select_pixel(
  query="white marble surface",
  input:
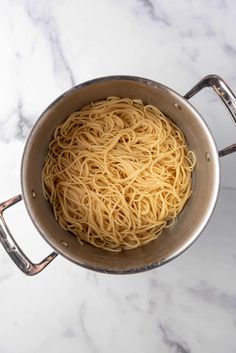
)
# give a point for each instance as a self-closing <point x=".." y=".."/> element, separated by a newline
<point x="187" y="306"/>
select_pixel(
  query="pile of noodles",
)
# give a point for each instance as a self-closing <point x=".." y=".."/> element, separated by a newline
<point x="117" y="173"/>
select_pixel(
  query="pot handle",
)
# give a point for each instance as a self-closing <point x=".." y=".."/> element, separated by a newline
<point x="224" y="93"/>
<point x="13" y="249"/>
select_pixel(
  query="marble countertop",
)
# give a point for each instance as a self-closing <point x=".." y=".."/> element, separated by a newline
<point x="186" y="306"/>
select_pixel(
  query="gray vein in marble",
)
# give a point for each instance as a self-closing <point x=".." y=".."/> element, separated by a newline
<point x="203" y="25"/>
<point x="131" y="299"/>
<point x="69" y="333"/>
<point x="89" y="339"/>
<point x="176" y="345"/>
<point x="209" y="32"/>
<point x="2" y="135"/>
<point x="154" y="283"/>
<point x="187" y="34"/>
<point x="220" y="4"/>
<point x="152" y="304"/>
<point x="17" y="55"/>
<point x="48" y="26"/>
<point x="92" y="277"/>
<point x="193" y="54"/>
<point x="214" y="296"/>
<point x="116" y="299"/>
<point x="132" y="296"/>
<point x="159" y="291"/>
<point x="157" y="286"/>
<point x="228" y="49"/>
<point x="23" y="124"/>
<point x="157" y="16"/>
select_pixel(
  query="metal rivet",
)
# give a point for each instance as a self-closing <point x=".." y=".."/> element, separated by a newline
<point x="177" y="106"/>
<point x="34" y="194"/>
<point x="64" y="243"/>
<point x="207" y="156"/>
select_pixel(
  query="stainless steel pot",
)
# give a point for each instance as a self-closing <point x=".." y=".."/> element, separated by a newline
<point x="191" y="221"/>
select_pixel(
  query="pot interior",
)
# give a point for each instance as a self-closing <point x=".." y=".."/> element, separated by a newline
<point x="190" y="222"/>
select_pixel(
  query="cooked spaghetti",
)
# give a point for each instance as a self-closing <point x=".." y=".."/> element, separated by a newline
<point x="117" y="173"/>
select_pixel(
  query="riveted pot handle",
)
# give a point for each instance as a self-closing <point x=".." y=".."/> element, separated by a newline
<point x="225" y="94"/>
<point x="13" y="249"/>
